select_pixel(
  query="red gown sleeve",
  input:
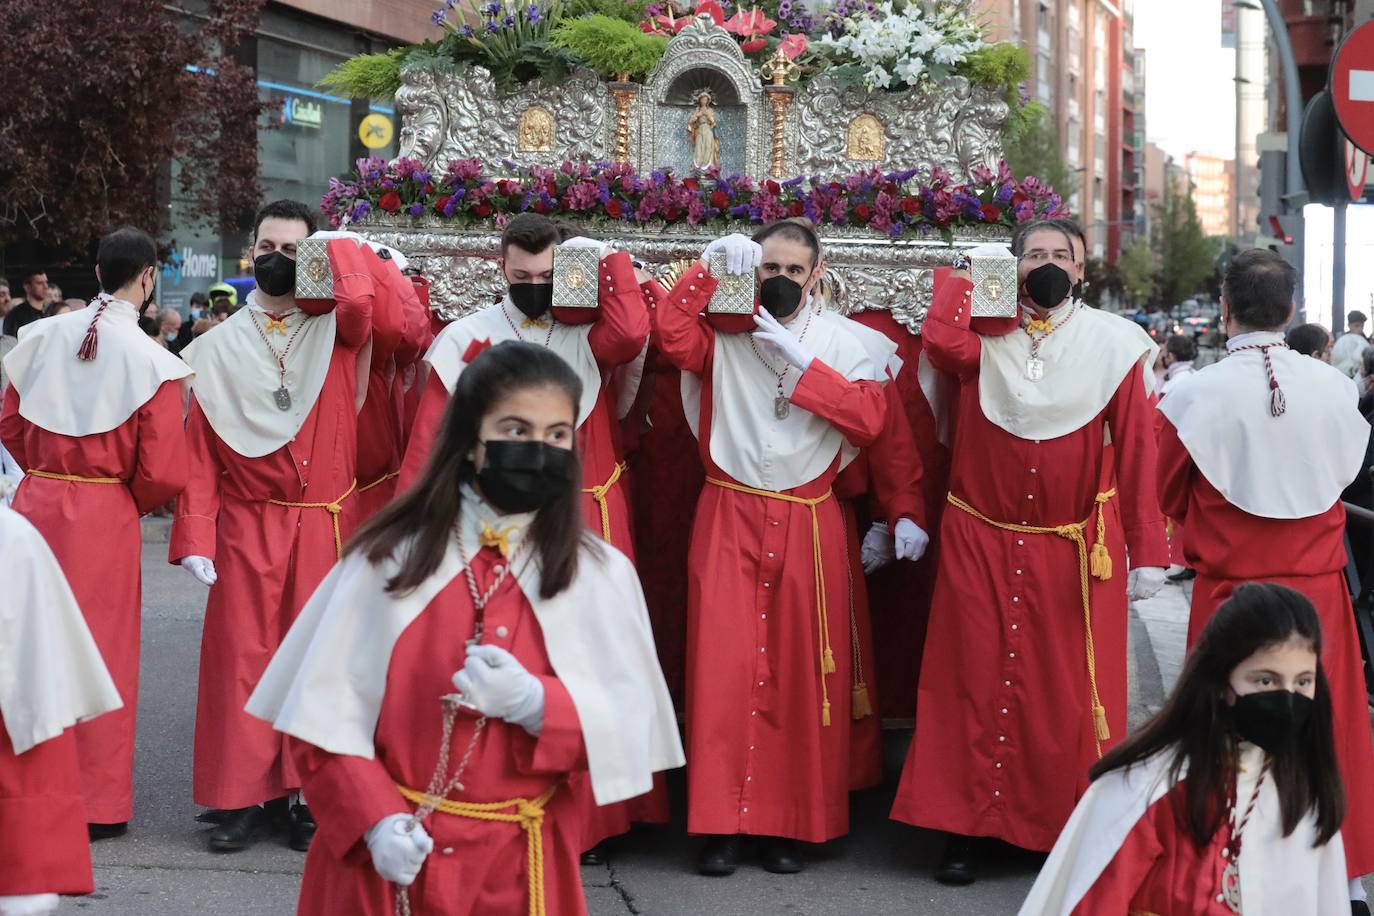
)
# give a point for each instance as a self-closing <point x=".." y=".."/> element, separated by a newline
<point x="1116" y="888"/>
<point x="360" y="793"/>
<point x="1175" y="473"/>
<point x="388" y="315"/>
<point x="425" y="427"/>
<point x="1130" y="416"/>
<point x="12" y="427"/>
<point x="948" y="338"/>
<point x="622" y="328"/>
<point x="161" y="467"/>
<point x="684" y="337"/>
<point x="857" y="409"/>
<point x="416" y="337"/>
<point x="894" y="465"/>
<point x="194" y="526"/>
<point x="354" y="292"/>
<point x="559" y="748"/>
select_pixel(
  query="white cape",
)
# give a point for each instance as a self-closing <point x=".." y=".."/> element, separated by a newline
<point x="237" y="378"/>
<point x="75" y="397"/>
<point x="1291" y="466"/>
<point x="326" y="682"/>
<point x="51" y="673"/>
<point x="1085" y="361"/>
<point x="492" y="325"/>
<point x="1279" y="876"/>
<point x="748" y="441"/>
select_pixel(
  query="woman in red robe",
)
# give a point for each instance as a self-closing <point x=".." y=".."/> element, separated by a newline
<point x="482" y="578"/>
<point x="1230" y="799"/>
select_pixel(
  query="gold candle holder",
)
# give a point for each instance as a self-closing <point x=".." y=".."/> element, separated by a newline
<point x="778" y="71"/>
<point x="623" y="91"/>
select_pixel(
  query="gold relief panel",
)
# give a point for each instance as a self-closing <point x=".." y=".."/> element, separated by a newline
<point x="866" y="140"/>
<point x="536" y="130"/>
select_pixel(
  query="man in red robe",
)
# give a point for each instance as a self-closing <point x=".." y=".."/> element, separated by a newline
<point x="51" y="677"/>
<point x="1254" y="453"/>
<point x="93" y="413"/>
<point x="1024" y="676"/>
<point x="777" y="413"/>
<point x="273" y="429"/>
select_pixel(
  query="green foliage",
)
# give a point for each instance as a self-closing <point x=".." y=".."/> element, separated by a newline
<point x="367" y="76"/>
<point x="1138" y="272"/>
<point x="514" y="44"/>
<point x="610" y="45"/>
<point x="1003" y="66"/>
<point x="1187" y="256"/>
<point x="631" y="11"/>
<point x="1031" y="147"/>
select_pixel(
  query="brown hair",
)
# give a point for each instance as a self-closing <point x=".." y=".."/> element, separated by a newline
<point x="794" y="229"/>
<point x="531" y="232"/>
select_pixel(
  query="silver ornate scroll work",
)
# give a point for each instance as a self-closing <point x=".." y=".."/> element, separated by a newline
<point x="701" y="47"/>
<point x="864" y="271"/>
<point x="448" y="116"/>
<point x="953" y="125"/>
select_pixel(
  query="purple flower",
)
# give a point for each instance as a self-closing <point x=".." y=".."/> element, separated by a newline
<point x="450" y="205"/>
<point x="1024" y="211"/>
<point x="360" y="209"/>
<point x="1004" y="194"/>
<point x="416" y="209"/>
<point x="533" y="14"/>
<point x="491" y="8"/>
<point x="465" y="31"/>
<point x="492" y="26"/>
<point x="438" y="16"/>
<point x="508" y="22"/>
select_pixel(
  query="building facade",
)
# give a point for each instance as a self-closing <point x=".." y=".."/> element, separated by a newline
<point x="1211" y="183"/>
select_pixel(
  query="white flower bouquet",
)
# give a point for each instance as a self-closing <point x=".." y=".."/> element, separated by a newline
<point x="898" y="45"/>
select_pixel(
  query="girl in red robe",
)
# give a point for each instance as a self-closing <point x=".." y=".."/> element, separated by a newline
<point x="1230" y="799"/>
<point x="480" y="578"/>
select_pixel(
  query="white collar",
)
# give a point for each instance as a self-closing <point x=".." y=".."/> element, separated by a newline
<point x="253" y="303"/>
<point x="1254" y="339"/>
<point x="1177" y="368"/>
<point x="476" y="515"/>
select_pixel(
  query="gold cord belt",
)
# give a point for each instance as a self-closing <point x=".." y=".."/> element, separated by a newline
<point x="73" y="478"/>
<point x="599" y="494"/>
<point x="827" y="657"/>
<point x="528" y="813"/>
<point x="333" y="508"/>
<point x="390" y="475"/>
<point x="1100" y="567"/>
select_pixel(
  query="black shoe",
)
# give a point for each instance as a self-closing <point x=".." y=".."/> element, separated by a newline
<point x="1183" y="575"/>
<point x="302" y="829"/>
<point x="595" y="856"/>
<point x="781" y="857"/>
<point x="241" y="828"/>
<point x="720" y="856"/>
<point x="215" y="816"/>
<point x="107" y="831"/>
<point x="1359" y="908"/>
<point x="959" y="866"/>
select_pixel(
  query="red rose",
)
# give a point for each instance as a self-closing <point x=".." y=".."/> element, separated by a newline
<point x="541" y="207"/>
<point x="773" y="187"/>
<point x="991" y="214"/>
<point x="672" y="214"/>
<point x="691" y="184"/>
<point x="390" y="202"/>
<point x="613" y="209"/>
<point x="911" y="205"/>
<point x="719" y="199"/>
<point x="442" y="202"/>
<point x="863" y="212"/>
<point x="796" y="208"/>
<point x="482" y="209"/>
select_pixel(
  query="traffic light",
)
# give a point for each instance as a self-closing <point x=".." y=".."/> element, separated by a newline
<point x="1287" y="229"/>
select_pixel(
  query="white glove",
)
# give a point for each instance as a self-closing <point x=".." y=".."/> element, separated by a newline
<point x="1144" y="582"/>
<point x="203" y="568"/>
<point x="911" y="540"/>
<point x="877" y="549"/>
<point x="579" y="241"/>
<point x="28" y="905"/>
<point x="328" y="234"/>
<point x="495" y="683"/>
<point x="770" y="332"/>
<point x="397" y="853"/>
<point x="742" y="254"/>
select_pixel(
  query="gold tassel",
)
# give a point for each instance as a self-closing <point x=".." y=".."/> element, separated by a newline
<point x="825" y="713"/>
<point x="829" y="661"/>
<point x="1101" y="562"/>
<point x="860" y="707"/>
<point x="1100" y="720"/>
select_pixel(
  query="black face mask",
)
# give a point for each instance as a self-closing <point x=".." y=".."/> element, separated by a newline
<point x="532" y="299"/>
<point x="148" y="299"/>
<point x="1047" y="285"/>
<point x="1271" y="719"/>
<point x="524" y="476"/>
<point x="779" y="296"/>
<point x="275" y="273"/>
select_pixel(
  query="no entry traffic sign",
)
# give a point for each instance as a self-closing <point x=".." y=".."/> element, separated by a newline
<point x="1352" y="86"/>
<point x="1356" y="170"/>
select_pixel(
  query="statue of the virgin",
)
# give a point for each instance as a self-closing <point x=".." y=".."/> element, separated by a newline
<point x="701" y="127"/>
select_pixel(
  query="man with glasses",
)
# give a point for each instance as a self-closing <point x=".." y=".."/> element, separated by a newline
<point x="1023" y="684"/>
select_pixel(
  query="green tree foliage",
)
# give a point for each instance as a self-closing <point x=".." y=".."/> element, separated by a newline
<point x="611" y="46"/>
<point x="1031" y="147"/>
<point x="1187" y="256"/>
<point x="1138" y="269"/>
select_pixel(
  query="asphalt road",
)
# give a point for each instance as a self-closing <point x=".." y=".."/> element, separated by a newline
<point x="163" y="868"/>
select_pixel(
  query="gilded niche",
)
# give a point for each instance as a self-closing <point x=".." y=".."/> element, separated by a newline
<point x="866" y="142"/>
<point x="536" y="130"/>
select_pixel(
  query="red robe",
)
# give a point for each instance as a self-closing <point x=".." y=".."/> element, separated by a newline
<point x="43" y="846"/>
<point x="760" y="760"/>
<point x="1004" y="728"/>
<point x="477" y="867"/>
<point x="94" y="531"/>
<point x="1228" y="546"/>
<point x="269" y="559"/>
